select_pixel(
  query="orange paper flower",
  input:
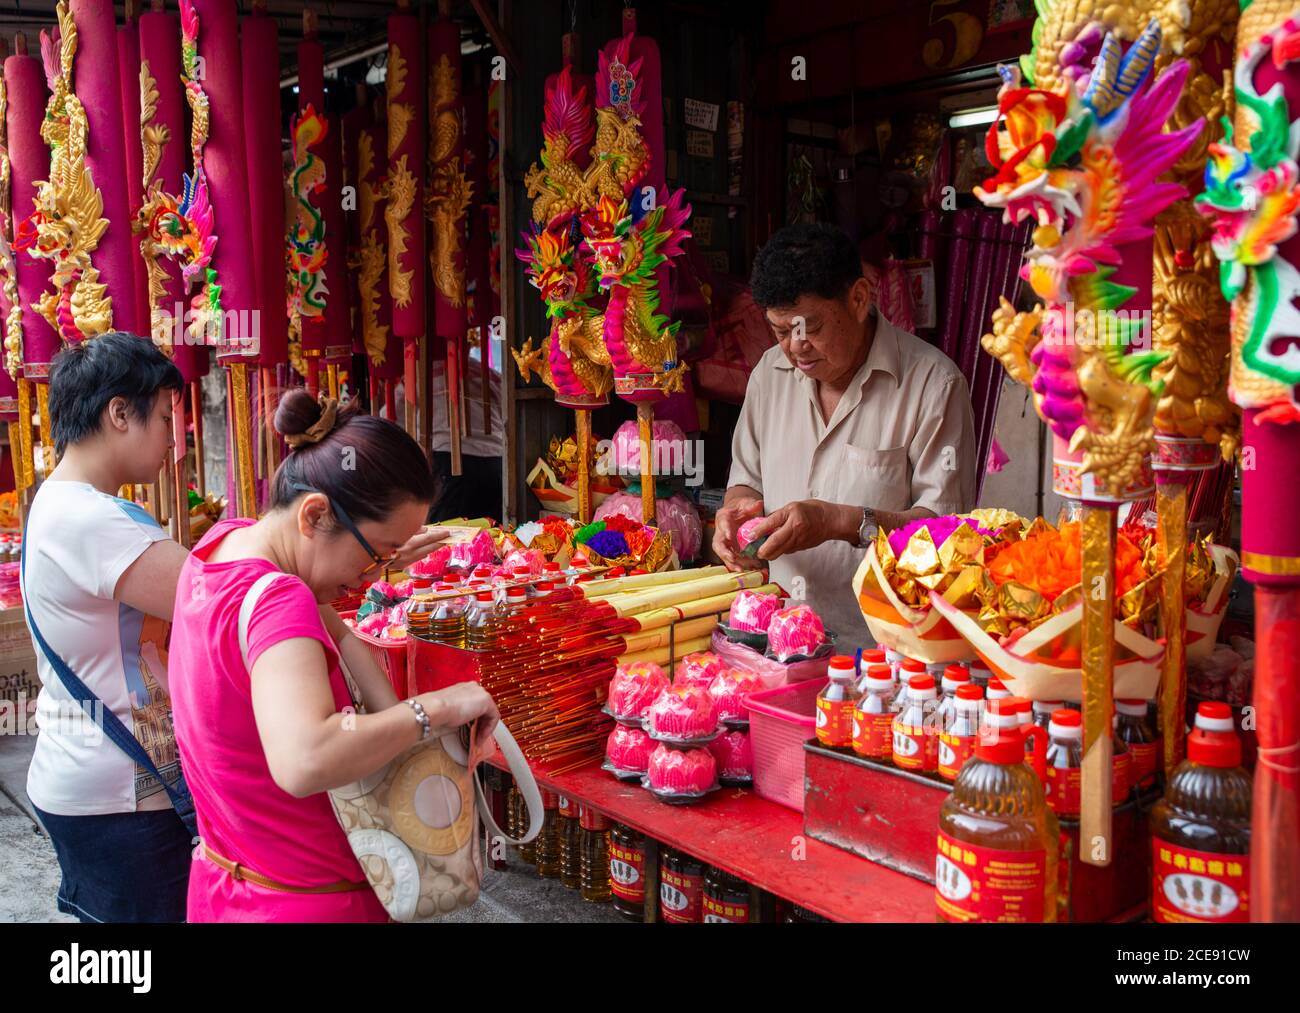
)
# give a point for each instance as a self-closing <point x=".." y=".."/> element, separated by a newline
<point x="1050" y="562"/>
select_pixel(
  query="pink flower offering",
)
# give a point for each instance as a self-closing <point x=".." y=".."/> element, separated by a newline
<point x="699" y="669"/>
<point x="628" y="749"/>
<point x="520" y="558"/>
<point x="635" y="687"/>
<point x="434" y="565"/>
<point x="734" y="756"/>
<point x="752" y="611"/>
<point x="746" y="533"/>
<point x="794" y="631"/>
<point x="682" y="771"/>
<point x="386" y="589"/>
<point x="480" y="549"/>
<point x="683" y="712"/>
<point x="373" y="624"/>
<point x="730" y="690"/>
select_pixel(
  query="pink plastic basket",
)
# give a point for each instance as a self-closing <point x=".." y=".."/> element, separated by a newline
<point x="390" y="655"/>
<point x="780" y="721"/>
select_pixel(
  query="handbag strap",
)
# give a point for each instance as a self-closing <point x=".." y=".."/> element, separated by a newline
<point x="111" y="724"/>
<point x="509" y="748"/>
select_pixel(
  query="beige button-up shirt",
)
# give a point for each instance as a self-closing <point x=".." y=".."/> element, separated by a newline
<point x="902" y="436"/>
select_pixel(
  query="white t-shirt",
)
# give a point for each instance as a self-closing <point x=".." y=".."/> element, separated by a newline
<point x="78" y="544"/>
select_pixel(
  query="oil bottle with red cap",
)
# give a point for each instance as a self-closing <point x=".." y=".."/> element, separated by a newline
<point x="1200" y="830"/>
<point x="998" y="846"/>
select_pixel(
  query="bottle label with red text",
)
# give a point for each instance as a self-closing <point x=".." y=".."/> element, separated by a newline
<point x="1145" y="760"/>
<point x="873" y="735"/>
<point x="627" y="873"/>
<point x="1198" y="886"/>
<point x="954" y="750"/>
<point x="717" y="911"/>
<point x="1064" y="790"/>
<point x="835" y="723"/>
<point x="681" y="897"/>
<point x="916" y="747"/>
<point x="1120" y="774"/>
<point x="974" y="884"/>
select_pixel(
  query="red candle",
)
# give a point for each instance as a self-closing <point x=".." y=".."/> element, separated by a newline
<point x="225" y="166"/>
<point x="99" y="90"/>
<point x="160" y="51"/>
<point x="311" y="95"/>
<point x="128" y="73"/>
<point x="260" y="55"/>
<point x="338" y="309"/>
<point x="29" y="161"/>
<point x="447" y="184"/>
<point x="406" y="171"/>
<point x="375" y="323"/>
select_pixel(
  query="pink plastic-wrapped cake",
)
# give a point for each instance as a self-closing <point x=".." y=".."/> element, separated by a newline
<point x="752" y="611"/>
<point x="794" y="631"/>
<point x="746" y="533"/>
<point x="635" y="687"/>
<point x="683" y="712"/>
<point x="682" y="771"/>
<point x="628" y="749"/>
<point x="699" y="669"/>
<point x="730" y="690"/>
<point x="733" y="754"/>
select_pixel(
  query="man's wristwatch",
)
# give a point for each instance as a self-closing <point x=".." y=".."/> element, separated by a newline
<point x="868" y="529"/>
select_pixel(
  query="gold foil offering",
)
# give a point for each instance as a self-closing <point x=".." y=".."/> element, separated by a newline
<point x="1067" y="599"/>
<point x="964" y="591"/>
<point x="965" y="545"/>
<point x="1016" y="601"/>
<point x="920" y="557"/>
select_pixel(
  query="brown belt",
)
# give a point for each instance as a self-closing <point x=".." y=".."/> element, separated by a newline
<point x="242" y="872"/>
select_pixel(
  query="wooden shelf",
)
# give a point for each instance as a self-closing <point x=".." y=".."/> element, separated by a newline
<point x="759" y="841"/>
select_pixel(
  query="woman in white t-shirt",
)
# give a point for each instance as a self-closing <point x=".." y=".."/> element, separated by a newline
<point x="99" y="581"/>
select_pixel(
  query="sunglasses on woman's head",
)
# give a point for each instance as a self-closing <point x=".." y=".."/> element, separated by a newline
<point x="342" y="516"/>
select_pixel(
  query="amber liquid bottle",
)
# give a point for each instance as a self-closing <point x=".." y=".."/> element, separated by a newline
<point x="627" y="872"/>
<point x="593" y="869"/>
<point x="548" y="839"/>
<point x="998" y="841"/>
<point x="1200" y="830"/>
<point x="570" y="844"/>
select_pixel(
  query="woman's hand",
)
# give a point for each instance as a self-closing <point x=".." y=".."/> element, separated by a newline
<point x="418" y="546"/>
<point x="462" y="704"/>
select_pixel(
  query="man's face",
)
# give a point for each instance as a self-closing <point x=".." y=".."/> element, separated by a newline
<point x="148" y="441"/>
<point x="823" y="337"/>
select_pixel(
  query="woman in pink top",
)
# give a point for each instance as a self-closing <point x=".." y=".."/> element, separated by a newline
<point x="262" y="744"/>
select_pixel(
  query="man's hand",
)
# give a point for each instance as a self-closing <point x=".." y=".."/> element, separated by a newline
<point x="727" y="523"/>
<point x="418" y="546"/>
<point x="806" y="524"/>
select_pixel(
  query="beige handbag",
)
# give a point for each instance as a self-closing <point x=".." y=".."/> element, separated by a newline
<point x="414" y="823"/>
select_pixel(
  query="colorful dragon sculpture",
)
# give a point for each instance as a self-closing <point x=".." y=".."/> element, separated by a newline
<point x="1253" y="195"/>
<point x="179" y="227"/>
<point x="594" y="232"/>
<point x="1081" y="157"/>
<point x="67" y="223"/>
<point x="306" y="249"/>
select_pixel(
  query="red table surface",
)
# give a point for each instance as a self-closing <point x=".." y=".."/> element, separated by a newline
<point x="755" y="840"/>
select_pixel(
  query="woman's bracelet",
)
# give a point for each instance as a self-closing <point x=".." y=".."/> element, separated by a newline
<point x="421" y="716"/>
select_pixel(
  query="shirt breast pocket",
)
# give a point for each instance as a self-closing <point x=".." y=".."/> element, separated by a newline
<point x="879" y="479"/>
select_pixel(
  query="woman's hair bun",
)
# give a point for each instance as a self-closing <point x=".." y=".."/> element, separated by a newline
<point x="297" y="412"/>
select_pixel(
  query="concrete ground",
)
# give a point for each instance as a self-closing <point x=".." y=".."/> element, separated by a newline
<point x="30" y="876"/>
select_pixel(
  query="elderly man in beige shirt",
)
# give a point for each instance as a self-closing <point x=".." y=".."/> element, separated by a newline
<point x="849" y="425"/>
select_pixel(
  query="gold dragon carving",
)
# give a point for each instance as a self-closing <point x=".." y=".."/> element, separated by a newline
<point x="69" y="212"/>
<point x="1190" y="318"/>
<point x="154" y="138"/>
<point x="368" y="258"/>
<point x="558" y="187"/>
<point x="447" y="201"/>
<point x="399" y="191"/>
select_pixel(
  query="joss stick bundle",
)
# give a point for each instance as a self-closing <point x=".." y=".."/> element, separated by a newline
<point x="551" y="670"/>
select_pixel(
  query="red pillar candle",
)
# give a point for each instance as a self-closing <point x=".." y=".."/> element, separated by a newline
<point x="310" y="129"/>
<point x="29" y="161"/>
<point x="99" y="90"/>
<point x="226" y="168"/>
<point x="161" y="54"/>
<point x="404" y="208"/>
<point x="448" y="185"/>
<point x="128" y="73"/>
<point x="354" y="121"/>
<point x="260" y="62"/>
<point x="338" y="303"/>
<point x="368" y="153"/>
